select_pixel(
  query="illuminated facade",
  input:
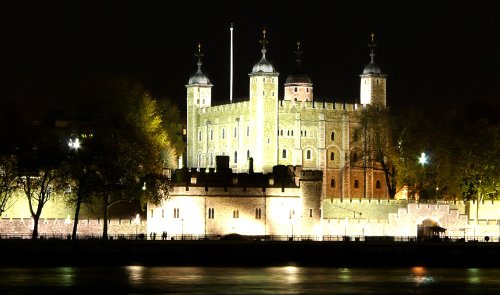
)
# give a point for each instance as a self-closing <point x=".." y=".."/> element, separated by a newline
<point x="296" y="130"/>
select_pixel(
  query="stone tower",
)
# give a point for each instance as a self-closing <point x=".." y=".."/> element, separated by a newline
<point x="373" y="82"/>
<point x="199" y="95"/>
<point x="264" y="110"/>
<point x="298" y="85"/>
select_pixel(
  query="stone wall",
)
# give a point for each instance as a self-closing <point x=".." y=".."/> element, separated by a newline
<point x="62" y="227"/>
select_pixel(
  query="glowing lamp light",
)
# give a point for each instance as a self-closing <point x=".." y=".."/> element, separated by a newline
<point x="144" y="186"/>
<point x="74" y="144"/>
<point x="423" y="159"/>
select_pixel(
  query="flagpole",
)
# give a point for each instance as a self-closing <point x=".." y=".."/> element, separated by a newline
<point x="231" y="68"/>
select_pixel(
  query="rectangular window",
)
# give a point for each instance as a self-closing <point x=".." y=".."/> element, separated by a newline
<point x="310" y="212"/>
<point x="151" y="215"/>
<point x="356" y="183"/>
<point x="211" y="213"/>
<point x="162" y="213"/>
<point x="176" y="213"/>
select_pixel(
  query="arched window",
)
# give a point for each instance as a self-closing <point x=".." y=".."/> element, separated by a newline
<point x="332" y="156"/>
<point x="235" y="157"/>
<point x="283" y="154"/>
<point x="377" y="184"/>
<point x="295" y="99"/>
<point x="295" y="89"/>
<point x="332" y="136"/>
<point x="332" y="182"/>
<point x="308" y="154"/>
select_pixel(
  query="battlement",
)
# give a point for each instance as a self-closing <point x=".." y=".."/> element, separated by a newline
<point x="230" y="107"/>
<point x="340" y="106"/>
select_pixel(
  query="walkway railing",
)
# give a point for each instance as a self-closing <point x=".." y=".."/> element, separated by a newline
<point x="261" y="238"/>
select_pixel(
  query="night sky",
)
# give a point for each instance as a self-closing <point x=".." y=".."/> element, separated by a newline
<point x="444" y="54"/>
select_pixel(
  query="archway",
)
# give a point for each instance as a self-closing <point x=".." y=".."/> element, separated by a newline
<point x="430" y="229"/>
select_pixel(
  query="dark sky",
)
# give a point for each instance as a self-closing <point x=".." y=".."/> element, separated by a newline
<point x="444" y="54"/>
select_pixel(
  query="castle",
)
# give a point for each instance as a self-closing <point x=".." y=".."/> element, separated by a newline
<point x="293" y="167"/>
<point x="289" y="168"/>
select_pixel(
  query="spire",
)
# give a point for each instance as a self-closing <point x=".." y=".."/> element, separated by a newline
<point x="263" y="65"/>
<point x="372" y="68"/>
<point x="298" y="53"/>
<point x="199" y="55"/>
<point x="372" y="46"/>
<point x="263" y="41"/>
<point x="199" y="77"/>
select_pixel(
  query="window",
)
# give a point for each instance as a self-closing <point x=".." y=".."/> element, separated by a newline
<point x="235" y="157"/>
<point x="292" y="213"/>
<point x="263" y="79"/>
<point x="305" y="133"/>
<point x="377" y="184"/>
<point x="332" y="136"/>
<point x="310" y="212"/>
<point x="211" y="134"/>
<point x="354" y="157"/>
<point x="295" y="99"/>
<point x="211" y="213"/>
<point x="355" y="136"/>
<point x="236" y="214"/>
<point x="176" y="213"/>
<point x="307" y="90"/>
<point x="199" y="160"/>
<point x="332" y="182"/>
<point x="162" y="213"/>
<point x="288" y="133"/>
<point x="356" y="183"/>
<point x="308" y="154"/>
<point x="332" y="156"/>
<point x="283" y="154"/>
<point x="235" y="132"/>
<point x="223" y="133"/>
<point x="248" y="154"/>
<point x="295" y="90"/>
<point x="151" y="215"/>
<point x="248" y="131"/>
<point x="258" y="213"/>
<point x="203" y="101"/>
<point x="199" y="135"/>
<point x="211" y="159"/>
<point x="281" y="132"/>
<point x="292" y="132"/>
<point x="198" y="101"/>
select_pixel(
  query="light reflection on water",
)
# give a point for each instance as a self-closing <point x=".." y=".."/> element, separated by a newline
<point x="251" y="280"/>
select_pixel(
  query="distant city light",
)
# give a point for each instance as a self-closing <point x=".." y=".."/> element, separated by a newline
<point x="423" y="159"/>
<point x="74" y="144"/>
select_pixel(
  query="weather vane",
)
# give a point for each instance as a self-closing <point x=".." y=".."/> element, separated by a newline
<point x="263" y="41"/>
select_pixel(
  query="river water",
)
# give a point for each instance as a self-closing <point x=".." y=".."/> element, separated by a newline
<point x="257" y="280"/>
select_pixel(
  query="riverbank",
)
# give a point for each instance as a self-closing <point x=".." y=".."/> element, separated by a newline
<point x="247" y="253"/>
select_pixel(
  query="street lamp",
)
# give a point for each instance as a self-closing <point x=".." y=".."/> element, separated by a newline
<point x="423" y="159"/>
<point x="74" y="144"/>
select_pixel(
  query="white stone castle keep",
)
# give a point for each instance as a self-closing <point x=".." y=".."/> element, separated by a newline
<point x="294" y="130"/>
